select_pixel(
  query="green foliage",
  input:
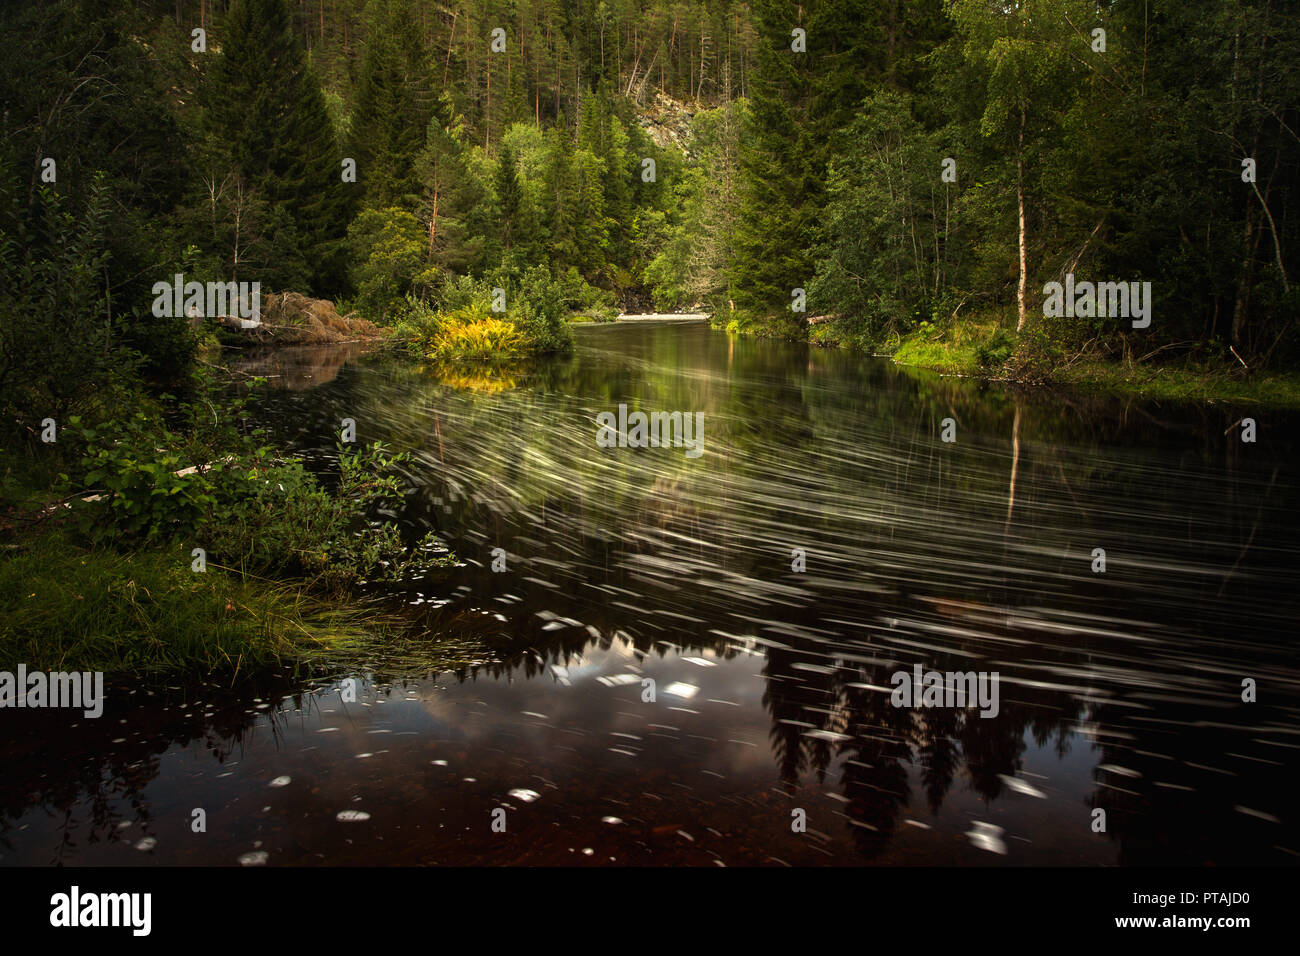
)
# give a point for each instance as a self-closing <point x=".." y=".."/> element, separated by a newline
<point x="282" y="520"/>
<point x="393" y="105"/>
<point x="61" y="340"/>
<point x="455" y="204"/>
<point x="387" y="255"/>
<point x="535" y="320"/>
<point x="142" y="482"/>
<point x="888" y="229"/>
<point x="269" y="123"/>
<point x="995" y="351"/>
<point x="138" y="491"/>
<point x="464" y="337"/>
<point x="539" y="307"/>
<point x="418" y="325"/>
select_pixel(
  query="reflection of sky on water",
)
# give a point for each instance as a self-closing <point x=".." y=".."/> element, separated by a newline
<point x="692" y="781"/>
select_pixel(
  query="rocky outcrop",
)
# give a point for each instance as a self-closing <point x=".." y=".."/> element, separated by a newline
<point x="668" y="122"/>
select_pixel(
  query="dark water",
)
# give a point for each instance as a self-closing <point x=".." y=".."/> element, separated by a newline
<point x="1119" y="691"/>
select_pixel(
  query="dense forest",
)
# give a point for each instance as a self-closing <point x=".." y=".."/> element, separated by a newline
<point x="877" y="167"/>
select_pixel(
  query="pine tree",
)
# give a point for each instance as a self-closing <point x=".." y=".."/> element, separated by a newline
<point x="453" y="198"/>
<point x="560" y="196"/>
<point x="780" y="188"/>
<point x="509" y="193"/>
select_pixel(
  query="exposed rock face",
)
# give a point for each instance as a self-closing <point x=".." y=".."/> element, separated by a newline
<point x="668" y="122"/>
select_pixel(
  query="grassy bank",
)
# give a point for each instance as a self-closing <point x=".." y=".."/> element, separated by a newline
<point x="987" y="347"/>
<point x="65" y="606"/>
<point x="1185" y="382"/>
<point x="97" y="532"/>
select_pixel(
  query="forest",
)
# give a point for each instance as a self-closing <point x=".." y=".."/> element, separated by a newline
<point x="606" y="403"/>
<point x="921" y="180"/>
<point x="843" y="172"/>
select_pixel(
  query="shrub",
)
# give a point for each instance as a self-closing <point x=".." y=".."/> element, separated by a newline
<point x="388" y="248"/>
<point x="418" y="325"/>
<point x="484" y="339"/>
<point x="994" y="351"/>
<point x="285" y="521"/>
<point x="215" y="488"/>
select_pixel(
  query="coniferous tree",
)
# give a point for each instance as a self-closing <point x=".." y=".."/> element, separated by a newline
<point x="778" y="159"/>
<point x="509" y="194"/>
<point x="268" y="116"/>
<point x="394" y="104"/>
<point x="453" y="198"/>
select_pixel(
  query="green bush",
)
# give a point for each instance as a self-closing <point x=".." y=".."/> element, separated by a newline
<point x="388" y="251"/>
<point x="419" y="324"/>
<point x="466" y="325"/>
<point x="285" y="521"/>
<point x="207" y="484"/>
<point x="997" y="349"/>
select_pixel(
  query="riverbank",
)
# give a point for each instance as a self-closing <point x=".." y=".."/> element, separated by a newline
<point x="134" y="546"/>
<point x="66" y="606"/>
<point x="988" y="349"/>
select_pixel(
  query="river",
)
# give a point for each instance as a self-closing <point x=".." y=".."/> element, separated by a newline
<point x="688" y="660"/>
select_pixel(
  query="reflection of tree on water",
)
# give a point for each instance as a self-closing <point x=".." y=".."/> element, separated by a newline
<point x="83" y="775"/>
<point x="1223" y="795"/>
<point x="654" y="548"/>
<point x="886" y="740"/>
<point x="849" y="738"/>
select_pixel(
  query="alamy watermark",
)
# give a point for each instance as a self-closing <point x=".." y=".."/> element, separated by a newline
<point x="77" y="909"/>
<point x="181" y="299"/>
<point x="1102" y="300"/>
<point x="946" y="689"/>
<point x="55" y="689"/>
<point x="653" y="430"/>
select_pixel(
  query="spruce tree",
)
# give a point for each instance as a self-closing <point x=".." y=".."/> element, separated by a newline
<point x="509" y="193"/>
<point x="780" y="188"/>
<point x="453" y="197"/>
<point x="267" y="115"/>
<point x="394" y="104"/>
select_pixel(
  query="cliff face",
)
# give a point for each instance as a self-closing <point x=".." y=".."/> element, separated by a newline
<point x="668" y="122"/>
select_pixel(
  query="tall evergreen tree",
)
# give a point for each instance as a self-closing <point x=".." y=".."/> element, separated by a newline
<point x="268" y="115"/>
<point x="779" y="162"/>
<point x="509" y="193"/>
<point x="394" y="104"/>
<point x="453" y="198"/>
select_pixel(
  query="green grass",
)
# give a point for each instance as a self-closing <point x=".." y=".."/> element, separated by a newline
<point x="1185" y="383"/>
<point x="968" y="347"/>
<point x="65" y="607"/>
<point x="980" y="346"/>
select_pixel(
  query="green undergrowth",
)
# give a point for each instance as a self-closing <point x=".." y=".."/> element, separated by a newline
<point x="67" y="606"/>
<point x="987" y="347"/>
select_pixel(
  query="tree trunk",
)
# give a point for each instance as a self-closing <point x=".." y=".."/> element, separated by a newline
<point x="1023" y="286"/>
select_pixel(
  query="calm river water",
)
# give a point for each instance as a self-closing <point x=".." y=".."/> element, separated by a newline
<point x="650" y="681"/>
